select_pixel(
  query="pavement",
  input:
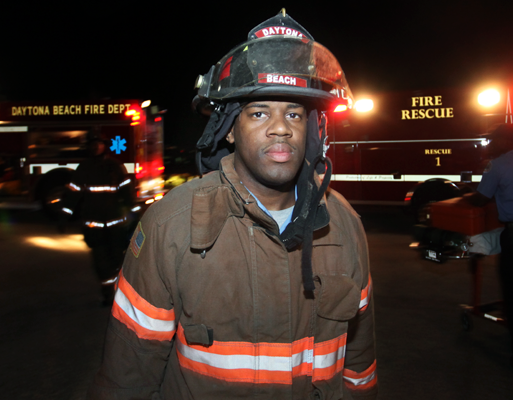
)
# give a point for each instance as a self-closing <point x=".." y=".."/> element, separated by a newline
<point x="52" y="325"/>
<point x="423" y="351"/>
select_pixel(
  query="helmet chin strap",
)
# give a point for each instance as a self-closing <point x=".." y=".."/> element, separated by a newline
<point x="316" y="138"/>
<point x="306" y="255"/>
<point x="323" y="165"/>
<point x="307" y="213"/>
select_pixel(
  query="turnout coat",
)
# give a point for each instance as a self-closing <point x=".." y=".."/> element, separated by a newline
<point x="211" y="305"/>
<point x="104" y="190"/>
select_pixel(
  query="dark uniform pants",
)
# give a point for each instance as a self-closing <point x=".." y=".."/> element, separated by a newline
<point x="506" y="273"/>
<point x="108" y="247"/>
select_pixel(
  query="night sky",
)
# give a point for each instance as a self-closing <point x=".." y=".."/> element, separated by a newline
<point x="156" y="49"/>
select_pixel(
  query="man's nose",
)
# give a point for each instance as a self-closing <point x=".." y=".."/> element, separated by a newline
<point x="279" y="126"/>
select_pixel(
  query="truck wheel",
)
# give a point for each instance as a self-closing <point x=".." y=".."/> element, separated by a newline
<point x="428" y="192"/>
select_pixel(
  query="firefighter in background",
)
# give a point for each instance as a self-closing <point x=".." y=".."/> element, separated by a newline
<point x="253" y="281"/>
<point x="497" y="181"/>
<point x="101" y="193"/>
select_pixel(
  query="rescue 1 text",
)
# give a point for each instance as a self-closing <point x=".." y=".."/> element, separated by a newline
<point x="422" y="113"/>
<point x="78" y="109"/>
<point x="438" y="151"/>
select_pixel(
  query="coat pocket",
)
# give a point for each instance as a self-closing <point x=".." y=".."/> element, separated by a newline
<point x="199" y="334"/>
<point x="339" y="298"/>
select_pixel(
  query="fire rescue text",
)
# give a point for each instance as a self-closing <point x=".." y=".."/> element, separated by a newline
<point x="427" y="101"/>
<point x="78" y="109"/>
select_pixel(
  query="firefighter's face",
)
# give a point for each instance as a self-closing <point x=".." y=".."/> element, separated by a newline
<point x="270" y="140"/>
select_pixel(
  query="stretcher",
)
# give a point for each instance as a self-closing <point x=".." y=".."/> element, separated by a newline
<point x="460" y="230"/>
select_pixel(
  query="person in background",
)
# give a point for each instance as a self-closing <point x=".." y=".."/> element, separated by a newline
<point x="101" y="193"/>
<point x="497" y="182"/>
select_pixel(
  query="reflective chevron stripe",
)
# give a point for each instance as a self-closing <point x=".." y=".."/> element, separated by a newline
<point x="146" y="320"/>
<point x="361" y="380"/>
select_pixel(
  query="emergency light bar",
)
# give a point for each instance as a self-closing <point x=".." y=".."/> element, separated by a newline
<point x="489" y="98"/>
<point x="364" y="105"/>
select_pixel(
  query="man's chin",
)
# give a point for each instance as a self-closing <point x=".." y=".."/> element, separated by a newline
<point x="279" y="178"/>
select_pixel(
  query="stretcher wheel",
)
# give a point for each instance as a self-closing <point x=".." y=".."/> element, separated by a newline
<point x="466" y="320"/>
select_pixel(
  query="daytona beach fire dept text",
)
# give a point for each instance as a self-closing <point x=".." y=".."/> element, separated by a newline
<point x="79" y="109"/>
<point x="429" y="113"/>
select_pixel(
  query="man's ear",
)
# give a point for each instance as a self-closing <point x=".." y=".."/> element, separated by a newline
<point x="230" y="138"/>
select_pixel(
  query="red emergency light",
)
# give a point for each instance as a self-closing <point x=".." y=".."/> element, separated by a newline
<point x="340" y="108"/>
<point x="136" y="116"/>
<point x="139" y="172"/>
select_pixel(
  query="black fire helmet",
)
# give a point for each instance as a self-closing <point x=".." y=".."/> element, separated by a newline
<point x="280" y="60"/>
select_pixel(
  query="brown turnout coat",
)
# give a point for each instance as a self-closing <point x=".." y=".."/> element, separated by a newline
<point x="210" y="304"/>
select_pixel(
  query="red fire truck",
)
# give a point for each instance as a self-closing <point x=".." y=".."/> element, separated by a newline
<point x="41" y="143"/>
<point x="414" y="147"/>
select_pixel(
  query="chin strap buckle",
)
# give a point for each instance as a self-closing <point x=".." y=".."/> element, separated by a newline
<point x="324" y="137"/>
<point x="325" y="147"/>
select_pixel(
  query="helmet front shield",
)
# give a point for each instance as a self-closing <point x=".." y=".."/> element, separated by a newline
<point x="278" y="66"/>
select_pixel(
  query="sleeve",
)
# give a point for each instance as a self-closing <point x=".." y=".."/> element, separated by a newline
<point x="125" y="188"/>
<point x="360" y="375"/>
<point x="142" y="325"/>
<point x="489" y="181"/>
<point x="74" y="192"/>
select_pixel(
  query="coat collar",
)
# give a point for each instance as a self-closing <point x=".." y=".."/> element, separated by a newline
<point x="214" y="204"/>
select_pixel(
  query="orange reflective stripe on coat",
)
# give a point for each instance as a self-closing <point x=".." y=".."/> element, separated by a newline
<point x="361" y="380"/>
<point x="366" y="295"/>
<point x="263" y="362"/>
<point x="146" y="320"/>
<point x="329" y="358"/>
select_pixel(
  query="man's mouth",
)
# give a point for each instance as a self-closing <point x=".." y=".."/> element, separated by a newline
<point x="279" y="152"/>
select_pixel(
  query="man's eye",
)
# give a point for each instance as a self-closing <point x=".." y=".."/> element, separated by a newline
<point x="294" y="115"/>
<point x="258" y="114"/>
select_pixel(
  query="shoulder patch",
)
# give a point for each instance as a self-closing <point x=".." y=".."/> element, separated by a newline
<point x="488" y="167"/>
<point x="137" y="241"/>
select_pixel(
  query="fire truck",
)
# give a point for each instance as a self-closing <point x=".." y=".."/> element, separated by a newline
<point x="415" y="147"/>
<point x="42" y="143"/>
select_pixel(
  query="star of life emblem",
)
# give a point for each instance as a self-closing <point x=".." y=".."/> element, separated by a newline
<point x="118" y="145"/>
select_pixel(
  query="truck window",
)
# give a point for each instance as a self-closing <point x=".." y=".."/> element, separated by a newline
<point x="57" y="144"/>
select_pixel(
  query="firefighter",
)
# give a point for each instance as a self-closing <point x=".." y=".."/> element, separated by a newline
<point x="100" y="192"/>
<point x="253" y="281"/>
<point x="497" y="182"/>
